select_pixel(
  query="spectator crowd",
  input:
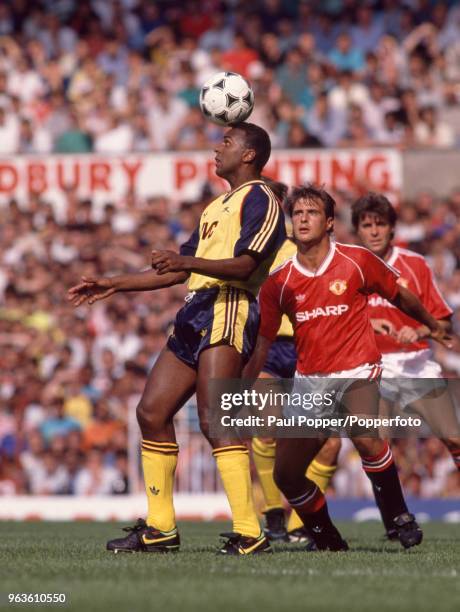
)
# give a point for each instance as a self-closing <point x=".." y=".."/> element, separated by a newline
<point x="115" y="76"/>
<point x="124" y="76"/>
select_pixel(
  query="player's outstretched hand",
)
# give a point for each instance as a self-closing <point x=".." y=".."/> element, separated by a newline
<point x="91" y="290"/>
<point x="167" y="261"/>
<point x="441" y="336"/>
<point x="384" y="327"/>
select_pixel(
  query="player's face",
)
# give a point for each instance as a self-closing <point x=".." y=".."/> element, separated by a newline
<point x="230" y="153"/>
<point x="309" y="221"/>
<point x="375" y="233"/>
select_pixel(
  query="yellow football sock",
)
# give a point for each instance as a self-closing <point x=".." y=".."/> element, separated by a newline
<point x="233" y="466"/>
<point x="294" y="521"/>
<point x="264" y="460"/>
<point x="321" y="475"/>
<point x="159" y="460"/>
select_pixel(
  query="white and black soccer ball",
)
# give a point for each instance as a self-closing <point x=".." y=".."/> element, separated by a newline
<point x="226" y="98"/>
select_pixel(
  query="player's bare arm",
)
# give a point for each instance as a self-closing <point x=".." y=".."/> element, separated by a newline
<point x="409" y="303"/>
<point x="234" y="268"/>
<point x="92" y="289"/>
<point x="421" y="332"/>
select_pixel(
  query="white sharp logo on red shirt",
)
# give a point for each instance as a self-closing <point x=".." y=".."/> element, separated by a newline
<point x="378" y="300"/>
<point x="327" y="311"/>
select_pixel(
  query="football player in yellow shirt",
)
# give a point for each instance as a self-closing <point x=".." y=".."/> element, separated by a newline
<point x="225" y="261"/>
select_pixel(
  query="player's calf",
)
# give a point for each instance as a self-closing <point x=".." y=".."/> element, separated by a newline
<point x="382" y="473"/>
<point x="312" y="508"/>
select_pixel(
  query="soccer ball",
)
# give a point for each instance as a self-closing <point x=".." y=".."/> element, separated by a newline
<point x="226" y="98"/>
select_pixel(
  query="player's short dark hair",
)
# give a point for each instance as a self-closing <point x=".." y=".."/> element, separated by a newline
<point x="311" y="192"/>
<point x="256" y="138"/>
<point x="373" y="203"/>
<point x="279" y="189"/>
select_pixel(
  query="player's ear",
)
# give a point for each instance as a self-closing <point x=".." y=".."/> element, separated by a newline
<point x="330" y="224"/>
<point x="249" y="155"/>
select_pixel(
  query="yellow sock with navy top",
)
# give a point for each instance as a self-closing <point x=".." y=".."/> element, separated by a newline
<point x="321" y="475"/>
<point x="159" y="461"/>
<point x="233" y="465"/>
<point x="263" y="454"/>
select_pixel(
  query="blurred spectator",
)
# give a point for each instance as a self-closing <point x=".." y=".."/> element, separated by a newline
<point x="392" y="131"/>
<point x="164" y="116"/>
<point x="9" y="133"/>
<point x="344" y="56"/>
<point x="113" y="60"/>
<point x="299" y="138"/>
<point x="33" y="140"/>
<point x="291" y="76"/>
<point x="357" y="134"/>
<point x="24" y="82"/>
<point x="410" y="229"/>
<point x="431" y="132"/>
<point x="96" y="478"/>
<point x="74" y="139"/>
<point x="239" y="57"/>
<point x="102" y="427"/>
<point x="376" y="107"/>
<point x="49" y="476"/>
<point x="325" y="122"/>
<point x="347" y="91"/>
<point x="56" y="422"/>
<point x="367" y="31"/>
<point x="219" y="35"/>
<point x="117" y="139"/>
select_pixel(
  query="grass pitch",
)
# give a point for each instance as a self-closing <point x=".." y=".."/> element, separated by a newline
<point x="375" y="576"/>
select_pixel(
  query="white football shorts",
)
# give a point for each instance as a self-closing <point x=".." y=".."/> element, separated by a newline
<point x="407" y="377"/>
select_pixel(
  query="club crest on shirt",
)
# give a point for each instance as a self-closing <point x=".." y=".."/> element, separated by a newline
<point x="403" y="282"/>
<point x="337" y="287"/>
<point x="300" y="297"/>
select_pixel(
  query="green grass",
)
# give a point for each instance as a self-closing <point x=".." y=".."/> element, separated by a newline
<point x="374" y="576"/>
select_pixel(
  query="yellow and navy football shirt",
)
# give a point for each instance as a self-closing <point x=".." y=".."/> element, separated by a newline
<point x="245" y="220"/>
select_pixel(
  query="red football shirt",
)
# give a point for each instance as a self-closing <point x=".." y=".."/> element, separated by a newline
<point x="328" y="308"/>
<point x="418" y="278"/>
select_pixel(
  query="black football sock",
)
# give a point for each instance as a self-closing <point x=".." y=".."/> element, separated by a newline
<point x="383" y="475"/>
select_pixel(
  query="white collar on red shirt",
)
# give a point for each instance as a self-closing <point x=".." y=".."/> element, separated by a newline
<point x="322" y="268"/>
<point x="394" y="256"/>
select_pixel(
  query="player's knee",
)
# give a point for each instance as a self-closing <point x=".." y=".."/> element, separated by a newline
<point x="328" y="454"/>
<point x="149" y="419"/>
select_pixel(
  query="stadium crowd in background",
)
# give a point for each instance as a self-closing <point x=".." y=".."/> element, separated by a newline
<point x="124" y="76"/>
